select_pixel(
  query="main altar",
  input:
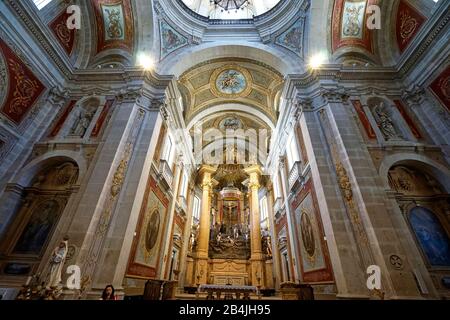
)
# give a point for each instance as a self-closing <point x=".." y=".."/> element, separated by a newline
<point x="229" y="244"/>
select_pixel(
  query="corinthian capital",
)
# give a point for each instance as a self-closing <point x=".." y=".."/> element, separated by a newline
<point x="58" y="95"/>
<point x="337" y="95"/>
<point x="414" y="95"/>
<point x="305" y="104"/>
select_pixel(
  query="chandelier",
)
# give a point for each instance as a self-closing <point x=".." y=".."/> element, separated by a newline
<point x="228" y="5"/>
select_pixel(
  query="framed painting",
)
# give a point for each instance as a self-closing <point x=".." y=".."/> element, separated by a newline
<point x="315" y="263"/>
<point x="147" y="245"/>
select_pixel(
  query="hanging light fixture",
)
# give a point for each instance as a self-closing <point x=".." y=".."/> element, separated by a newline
<point x="228" y="5"/>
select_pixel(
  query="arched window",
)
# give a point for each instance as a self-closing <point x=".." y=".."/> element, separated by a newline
<point x="431" y="236"/>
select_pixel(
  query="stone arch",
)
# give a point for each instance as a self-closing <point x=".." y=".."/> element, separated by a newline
<point x="36" y="203"/>
<point x="438" y="171"/>
<point x="231" y="107"/>
<point x="190" y="57"/>
<point x="24" y="176"/>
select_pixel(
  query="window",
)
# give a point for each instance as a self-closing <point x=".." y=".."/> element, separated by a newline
<point x="263" y="206"/>
<point x="40" y="4"/>
<point x="291" y="151"/>
<point x="184" y="183"/>
<point x="196" y="208"/>
<point x="276" y="186"/>
<point x="168" y="151"/>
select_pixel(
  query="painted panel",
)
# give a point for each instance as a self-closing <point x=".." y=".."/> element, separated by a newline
<point x="364" y="120"/>
<point x="171" y="39"/>
<point x="353" y="19"/>
<point x="102" y="119"/>
<point x="65" y="36"/>
<point x="408" y="119"/>
<point x="62" y="119"/>
<point x="349" y="25"/>
<point x="21" y="87"/>
<point x="146" y="250"/>
<point x="115" y="24"/>
<point x="38" y="228"/>
<point x="441" y="88"/>
<point x="409" y="22"/>
<point x="292" y="38"/>
<point x="431" y="236"/>
<point x="315" y="262"/>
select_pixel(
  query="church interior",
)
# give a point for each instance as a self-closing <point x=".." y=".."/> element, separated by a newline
<point x="218" y="149"/>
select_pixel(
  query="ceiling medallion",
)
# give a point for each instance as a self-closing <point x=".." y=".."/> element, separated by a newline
<point x="231" y="81"/>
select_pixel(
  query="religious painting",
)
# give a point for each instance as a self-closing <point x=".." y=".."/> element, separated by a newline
<point x="409" y="22"/>
<point x="115" y="24"/>
<point x="171" y="39"/>
<point x="146" y="251"/>
<point x="315" y="264"/>
<point x="353" y="19"/>
<point x="431" y="236"/>
<point x="312" y="255"/>
<point x="292" y="38"/>
<point x="38" y="228"/>
<point x="441" y="88"/>
<point x="19" y="89"/>
<point x="65" y="36"/>
<point x="231" y="82"/>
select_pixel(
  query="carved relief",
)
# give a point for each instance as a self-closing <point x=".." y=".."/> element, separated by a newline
<point x="57" y="177"/>
<point x="410" y="181"/>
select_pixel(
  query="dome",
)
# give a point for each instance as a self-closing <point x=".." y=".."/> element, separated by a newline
<point x="230" y="9"/>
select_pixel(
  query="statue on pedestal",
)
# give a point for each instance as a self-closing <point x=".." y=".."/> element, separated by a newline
<point x="385" y="123"/>
<point x="82" y="123"/>
<point x="57" y="263"/>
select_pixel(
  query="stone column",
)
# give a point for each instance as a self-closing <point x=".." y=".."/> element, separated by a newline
<point x="172" y="205"/>
<point x="186" y="239"/>
<point x="275" y="251"/>
<point x="201" y="273"/>
<point x="293" y="249"/>
<point x="256" y="258"/>
<point x="364" y="202"/>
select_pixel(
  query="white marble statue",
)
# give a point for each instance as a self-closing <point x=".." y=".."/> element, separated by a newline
<point x="57" y="263"/>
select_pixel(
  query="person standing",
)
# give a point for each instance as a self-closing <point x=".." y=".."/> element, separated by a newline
<point x="108" y="293"/>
